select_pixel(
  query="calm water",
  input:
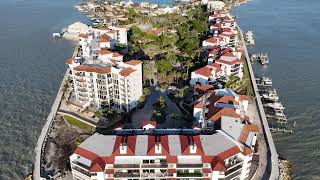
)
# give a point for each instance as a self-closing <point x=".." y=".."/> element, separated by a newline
<point x="289" y="31"/>
<point x="32" y="66"/>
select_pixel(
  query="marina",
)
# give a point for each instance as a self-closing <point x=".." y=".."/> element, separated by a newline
<point x="260" y="57"/>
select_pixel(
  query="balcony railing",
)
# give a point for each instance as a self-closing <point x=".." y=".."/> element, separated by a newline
<point x="81" y="79"/>
<point x="126" y="175"/>
<point x="80" y="74"/>
<point x="126" y="166"/>
<point x="82" y="90"/>
<point x="158" y="174"/>
<point x="234" y="163"/>
<point x="189" y="165"/>
<point x="185" y="174"/>
<point x="234" y="169"/>
<point x="154" y="165"/>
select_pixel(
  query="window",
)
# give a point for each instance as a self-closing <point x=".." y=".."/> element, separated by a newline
<point x="145" y="161"/>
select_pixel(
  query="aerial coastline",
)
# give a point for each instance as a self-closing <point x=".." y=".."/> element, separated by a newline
<point x="128" y="64"/>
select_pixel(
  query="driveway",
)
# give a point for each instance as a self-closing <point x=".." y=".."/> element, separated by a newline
<point x="145" y="114"/>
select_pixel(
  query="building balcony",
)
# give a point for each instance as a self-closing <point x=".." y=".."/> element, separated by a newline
<point x="82" y="89"/>
<point x="126" y="166"/>
<point x="234" y="171"/>
<point x="234" y="163"/>
<point x="81" y="79"/>
<point x="80" y="168"/>
<point x="232" y="175"/>
<point x="83" y="99"/>
<point x="118" y="175"/>
<point x="83" y="95"/>
<point x="189" y="165"/>
<point x="186" y="174"/>
<point x="158" y="174"/>
<point x="158" y="165"/>
<point x="80" y="74"/>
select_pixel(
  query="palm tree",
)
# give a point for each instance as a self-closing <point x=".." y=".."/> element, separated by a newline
<point x="97" y="114"/>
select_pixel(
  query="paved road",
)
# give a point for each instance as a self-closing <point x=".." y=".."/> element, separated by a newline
<point x="146" y="112"/>
<point x="172" y="109"/>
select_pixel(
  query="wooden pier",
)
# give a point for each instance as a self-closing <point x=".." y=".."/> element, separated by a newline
<point x="283" y="130"/>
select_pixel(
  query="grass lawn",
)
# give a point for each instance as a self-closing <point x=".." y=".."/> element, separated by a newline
<point x="75" y="122"/>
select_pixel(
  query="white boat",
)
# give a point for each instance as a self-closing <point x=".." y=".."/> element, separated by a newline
<point x="281" y="118"/>
<point x="249" y="38"/>
<point x="271" y="96"/>
<point x="275" y="105"/>
<point x="56" y="35"/>
<point x="264" y="81"/>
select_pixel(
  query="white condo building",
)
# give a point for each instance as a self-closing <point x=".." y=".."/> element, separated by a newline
<point x="223" y="154"/>
<point x="100" y="76"/>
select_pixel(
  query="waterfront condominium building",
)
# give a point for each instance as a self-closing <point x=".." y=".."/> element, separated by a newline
<point x="212" y="105"/>
<point x="222" y="154"/>
<point x="100" y="76"/>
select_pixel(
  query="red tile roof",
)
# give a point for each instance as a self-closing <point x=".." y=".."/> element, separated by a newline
<point x="126" y="71"/>
<point x="204" y="71"/>
<point x="109" y="171"/>
<point x="172" y="159"/>
<point x="203" y="88"/>
<point x="128" y="141"/>
<point x="100" y="70"/>
<point x="85" y="153"/>
<point x="69" y="61"/>
<point x="153" y="123"/>
<point x="199" y="105"/>
<point x="171" y="170"/>
<point x="83" y="35"/>
<point x="246" y="151"/>
<point x="245" y="132"/>
<point x="154" y="140"/>
<point x="230" y="152"/>
<point x="214" y="39"/>
<point x="216" y="66"/>
<point x="133" y="62"/>
<point x="97" y="165"/>
<point x="216" y="113"/>
<point x="116" y="54"/>
<point x="186" y="141"/>
<point x="104" y="51"/>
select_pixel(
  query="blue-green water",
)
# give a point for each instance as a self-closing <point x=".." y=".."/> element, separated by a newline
<point x="32" y="65"/>
<point x="289" y="31"/>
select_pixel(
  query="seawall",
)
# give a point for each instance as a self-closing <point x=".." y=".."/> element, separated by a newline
<point x="39" y="148"/>
<point x="272" y="169"/>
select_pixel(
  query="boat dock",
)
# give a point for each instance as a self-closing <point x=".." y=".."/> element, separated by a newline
<point x="283" y="130"/>
<point x="269" y="170"/>
<point x="260" y="57"/>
